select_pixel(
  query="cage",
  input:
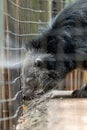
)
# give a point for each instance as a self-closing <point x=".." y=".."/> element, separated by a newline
<point x="21" y="21"/>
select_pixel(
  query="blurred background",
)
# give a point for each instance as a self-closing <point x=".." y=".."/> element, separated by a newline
<point x="20" y="21"/>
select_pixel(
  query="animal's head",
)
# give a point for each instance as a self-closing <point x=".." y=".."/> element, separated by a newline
<point x="43" y="67"/>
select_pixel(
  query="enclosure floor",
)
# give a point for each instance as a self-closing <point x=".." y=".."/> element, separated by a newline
<point x="67" y="114"/>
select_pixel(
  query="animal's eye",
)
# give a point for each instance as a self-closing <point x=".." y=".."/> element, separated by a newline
<point x="38" y="63"/>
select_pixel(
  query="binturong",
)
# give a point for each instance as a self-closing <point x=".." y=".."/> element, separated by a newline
<point x="58" y="51"/>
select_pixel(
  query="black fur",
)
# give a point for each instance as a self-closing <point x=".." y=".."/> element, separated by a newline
<point x="62" y="48"/>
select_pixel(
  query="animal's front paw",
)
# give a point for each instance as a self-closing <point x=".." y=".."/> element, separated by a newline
<point x="82" y="93"/>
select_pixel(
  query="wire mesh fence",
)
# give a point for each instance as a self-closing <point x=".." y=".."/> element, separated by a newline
<point x="21" y="21"/>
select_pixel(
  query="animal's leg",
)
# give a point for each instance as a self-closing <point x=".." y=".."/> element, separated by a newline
<point x="81" y="93"/>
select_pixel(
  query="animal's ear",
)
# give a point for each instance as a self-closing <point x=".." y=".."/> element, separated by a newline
<point x="52" y="42"/>
<point x="33" y="44"/>
<point x="29" y="45"/>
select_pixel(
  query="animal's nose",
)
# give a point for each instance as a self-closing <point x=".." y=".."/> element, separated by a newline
<point x="25" y="97"/>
